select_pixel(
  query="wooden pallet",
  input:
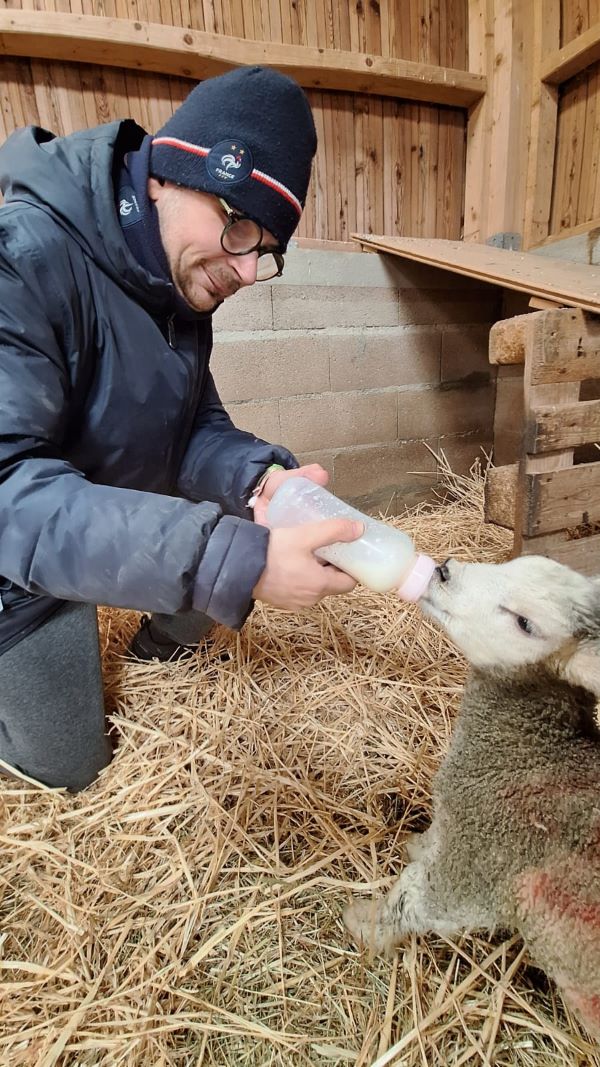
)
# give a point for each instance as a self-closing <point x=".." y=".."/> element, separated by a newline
<point x="552" y="503"/>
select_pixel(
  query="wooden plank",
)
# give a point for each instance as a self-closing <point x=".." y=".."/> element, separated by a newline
<point x="319" y="172"/>
<point x="574" y="19"/>
<point x="479" y="127"/>
<point x="500" y="495"/>
<point x="567" y="283"/>
<point x="569" y="152"/>
<point x="539" y="303"/>
<point x="570" y="343"/>
<point x="501" y="200"/>
<point x="542" y="134"/>
<point x="580" y="553"/>
<point x="561" y="426"/>
<point x="589" y="159"/>
<point x="451" y="161"/>
<point x="564" y="63"/>
<point x="560" y="499"/>
<point x="506" y="343"/>
<point x="196" y="54"/>
<point x="533" y="468"/>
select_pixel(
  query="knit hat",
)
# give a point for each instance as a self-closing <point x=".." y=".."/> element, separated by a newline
<point x="247" y="136"/>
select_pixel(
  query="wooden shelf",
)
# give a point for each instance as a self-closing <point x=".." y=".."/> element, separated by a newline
<point x="555" y="280"/>
<point x="195" y="54"/>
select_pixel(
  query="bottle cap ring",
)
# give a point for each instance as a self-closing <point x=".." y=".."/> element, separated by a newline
<point x="416" y="582"/>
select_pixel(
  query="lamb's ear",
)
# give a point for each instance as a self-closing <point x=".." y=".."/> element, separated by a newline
<point x="583" y="667"/>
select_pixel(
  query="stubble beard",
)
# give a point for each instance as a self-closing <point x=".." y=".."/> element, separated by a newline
<point x="195" y="293"/>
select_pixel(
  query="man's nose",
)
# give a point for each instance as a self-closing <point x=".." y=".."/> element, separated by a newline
<point x="246" y="268"/>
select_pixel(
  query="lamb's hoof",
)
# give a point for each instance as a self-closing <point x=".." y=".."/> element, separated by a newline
<point x="360" y="919"/>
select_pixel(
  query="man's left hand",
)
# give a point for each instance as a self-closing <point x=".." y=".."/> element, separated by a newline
<point x="314" y="471"/>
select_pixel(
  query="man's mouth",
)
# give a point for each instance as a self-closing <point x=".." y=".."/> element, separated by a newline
<point x="221" y="291"/>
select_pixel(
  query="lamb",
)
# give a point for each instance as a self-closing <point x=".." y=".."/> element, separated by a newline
<point x="515" y="838"/>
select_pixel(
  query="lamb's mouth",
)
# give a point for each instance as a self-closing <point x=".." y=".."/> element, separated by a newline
<point x="433" y="611"/>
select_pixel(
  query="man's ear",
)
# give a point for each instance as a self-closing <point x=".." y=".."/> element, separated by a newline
<point x="583" y="667"/>
<point x="155" y="188"/>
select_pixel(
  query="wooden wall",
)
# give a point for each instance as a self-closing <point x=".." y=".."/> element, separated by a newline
<point x="427" y="31"/>
<point x="576" y="189"/>
<point x="384" y="165"/>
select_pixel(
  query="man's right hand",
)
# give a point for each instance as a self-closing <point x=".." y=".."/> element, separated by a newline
<point x="294" y="578"/>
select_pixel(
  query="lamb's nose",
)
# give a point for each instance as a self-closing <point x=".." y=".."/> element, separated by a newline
<point x="443" y="572"/>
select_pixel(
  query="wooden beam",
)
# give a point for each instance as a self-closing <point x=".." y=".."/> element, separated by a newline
<point x="564" y="63"/>
<point x="543" y="123"/>
<point x="563" y="426"/>
<point x="583" y="229"/>
<point x="480" y="121"/>
<point x="500" y="44"/>
<point x="135" y="45"/>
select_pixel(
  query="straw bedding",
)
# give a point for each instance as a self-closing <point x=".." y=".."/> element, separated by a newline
<point x="185" y="909"/>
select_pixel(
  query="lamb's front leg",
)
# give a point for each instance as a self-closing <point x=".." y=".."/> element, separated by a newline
<point x="408" y="908"/>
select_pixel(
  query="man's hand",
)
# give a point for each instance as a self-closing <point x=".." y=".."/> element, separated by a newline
<point x="294" y="578"/>
<point x="314" y="471"/>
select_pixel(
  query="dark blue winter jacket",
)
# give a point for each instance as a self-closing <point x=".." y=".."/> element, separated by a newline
<point x="111" y="428"/>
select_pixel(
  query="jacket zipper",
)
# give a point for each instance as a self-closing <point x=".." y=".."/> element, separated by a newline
<point x="171" y="336"/>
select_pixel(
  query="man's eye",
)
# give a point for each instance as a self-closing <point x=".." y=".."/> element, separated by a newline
<point x="524" y="624"/>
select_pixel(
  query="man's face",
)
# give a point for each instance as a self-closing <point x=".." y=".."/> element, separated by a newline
<point x="191" y="224"/>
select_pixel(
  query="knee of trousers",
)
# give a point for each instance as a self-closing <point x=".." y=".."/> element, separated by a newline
<point x="72" y="775"/>
<point x="86" y="773"/>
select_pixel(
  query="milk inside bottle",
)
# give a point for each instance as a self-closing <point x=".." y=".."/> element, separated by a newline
<point x="382" y="558"/>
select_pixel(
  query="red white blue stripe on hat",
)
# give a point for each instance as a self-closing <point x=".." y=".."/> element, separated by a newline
<point x="259" y="175"/>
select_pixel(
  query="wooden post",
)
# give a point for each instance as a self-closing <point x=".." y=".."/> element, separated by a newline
<point x="479" y="126"/>
<point x="544" y="114"/>
<point x="497" y="131"/>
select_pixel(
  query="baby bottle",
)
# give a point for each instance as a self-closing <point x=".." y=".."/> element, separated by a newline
<point x="382" y="558"/>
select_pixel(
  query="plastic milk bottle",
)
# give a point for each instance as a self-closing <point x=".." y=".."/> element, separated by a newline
<point x="383" y="558"/>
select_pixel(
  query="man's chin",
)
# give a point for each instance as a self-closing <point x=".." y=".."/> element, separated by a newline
<point x="201" y="301"/>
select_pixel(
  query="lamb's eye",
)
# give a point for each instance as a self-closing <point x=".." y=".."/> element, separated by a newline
<point x="524" y="624"/>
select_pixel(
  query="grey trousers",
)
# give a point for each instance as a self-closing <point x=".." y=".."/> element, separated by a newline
<point x="52" y="720"/>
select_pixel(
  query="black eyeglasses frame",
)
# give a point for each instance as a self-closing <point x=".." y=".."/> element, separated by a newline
<point x="234" y="216"/>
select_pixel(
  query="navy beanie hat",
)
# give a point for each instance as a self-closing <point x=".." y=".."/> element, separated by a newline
<point x="247" y="136"/>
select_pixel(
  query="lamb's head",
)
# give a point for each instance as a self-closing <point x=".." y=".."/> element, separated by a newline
<point x="507" y="615"/>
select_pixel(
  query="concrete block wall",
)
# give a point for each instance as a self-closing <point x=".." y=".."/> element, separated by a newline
<point x="362" y="363"/>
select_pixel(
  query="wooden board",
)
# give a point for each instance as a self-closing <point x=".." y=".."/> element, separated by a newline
<point x="571" y="284"/>
<point x="541" y="152"/>
<point x="566" y="62"/>
<point x="567" y="347"/>
<point x="562" y="499"/>
<point x="120" y="42"/>
<point x="580" y="553"/>
<point x="563" y="426"/>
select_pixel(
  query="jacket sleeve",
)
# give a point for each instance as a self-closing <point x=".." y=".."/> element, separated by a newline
<point x="64" y="536"/>
<point x="222" y="463"/>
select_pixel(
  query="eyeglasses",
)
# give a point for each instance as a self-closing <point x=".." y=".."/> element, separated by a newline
<point x="241" y="236"/>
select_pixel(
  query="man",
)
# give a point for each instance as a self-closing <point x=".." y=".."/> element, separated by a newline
<point x="122" y="479"/>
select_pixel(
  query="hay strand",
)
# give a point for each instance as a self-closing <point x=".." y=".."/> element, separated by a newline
<point x="185" y="910"/>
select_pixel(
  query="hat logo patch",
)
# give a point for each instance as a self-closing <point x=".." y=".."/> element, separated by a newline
<point x="229" y="162"/>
